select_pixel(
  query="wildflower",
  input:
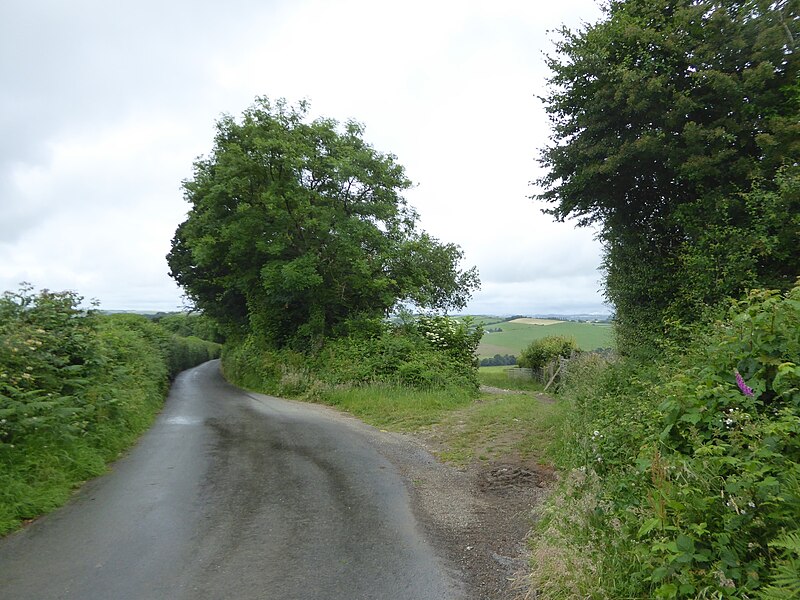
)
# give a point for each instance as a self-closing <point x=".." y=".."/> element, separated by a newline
<point x="728" y="422"/>
<point x="746" y="390"/>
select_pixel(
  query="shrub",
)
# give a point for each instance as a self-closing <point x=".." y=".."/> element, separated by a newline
<point x="540" y="352"/>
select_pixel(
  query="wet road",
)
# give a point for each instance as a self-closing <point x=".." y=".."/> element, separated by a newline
<point x="233" y="495"/>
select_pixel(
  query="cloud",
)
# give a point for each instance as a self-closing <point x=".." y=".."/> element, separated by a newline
<point x="563" y="295"/>
<point x="105" y="106"/>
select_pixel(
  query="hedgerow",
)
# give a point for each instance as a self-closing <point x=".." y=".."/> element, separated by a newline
<point x="540" y="352"/>
<point x="422" y="352"/>
<point x="682" y="477"/>
<point x="76" y="389"/>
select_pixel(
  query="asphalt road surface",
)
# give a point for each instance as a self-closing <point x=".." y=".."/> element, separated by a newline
<point x="233" y="495"/>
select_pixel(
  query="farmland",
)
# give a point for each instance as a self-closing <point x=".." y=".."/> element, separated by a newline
<point x="518" y="333"/>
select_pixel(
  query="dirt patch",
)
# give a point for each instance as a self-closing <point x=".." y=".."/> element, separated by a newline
<point x="478" y="515"/>
<point x="510" y="479"/>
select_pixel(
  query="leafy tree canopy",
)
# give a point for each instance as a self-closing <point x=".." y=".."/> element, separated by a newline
<point x="297" y="227"/>
<point x="676" y="130"/>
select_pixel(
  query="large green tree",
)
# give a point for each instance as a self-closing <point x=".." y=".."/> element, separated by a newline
<point x="298" y="227"/>
<point x="676" y="131"/>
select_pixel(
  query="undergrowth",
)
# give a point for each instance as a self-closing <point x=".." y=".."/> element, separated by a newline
<point x="681" y="478"/>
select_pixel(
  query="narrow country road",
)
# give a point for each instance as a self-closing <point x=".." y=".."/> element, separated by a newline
<point x="233" y="495"/>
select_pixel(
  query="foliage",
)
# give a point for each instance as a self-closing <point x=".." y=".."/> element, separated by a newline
<point x="694" y="463"/>
<point x="676" y="131"/>
<point x="176" y="352"/>
<point x="542" y="351"/>
<point x="426" y="352"/>
<point x="76" y="388"/>
<point x="48" y="352"/>
<point x="190" y="324"/>
<point x="297" y="227"/>
<point x="401" y="376"/>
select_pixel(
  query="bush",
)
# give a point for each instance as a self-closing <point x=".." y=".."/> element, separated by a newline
<point x="540" y="352"/>
<point x="423" y="352"/>
<point x="696" y="461"/>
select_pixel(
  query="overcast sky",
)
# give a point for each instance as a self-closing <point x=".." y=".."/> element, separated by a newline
<point x="105" y="105"/>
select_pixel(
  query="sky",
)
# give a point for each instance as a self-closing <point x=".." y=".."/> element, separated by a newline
<point x="104" y="106"/>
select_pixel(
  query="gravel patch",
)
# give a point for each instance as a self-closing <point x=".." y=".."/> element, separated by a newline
<point x="478" y="516"/>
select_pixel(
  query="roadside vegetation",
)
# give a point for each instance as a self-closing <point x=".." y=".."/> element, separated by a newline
<point x="675" y="133"/>
<point x="682" y="476"/>
<point x="77" y="388"/>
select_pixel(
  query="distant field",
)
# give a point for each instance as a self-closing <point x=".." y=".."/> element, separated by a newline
<point x="529" y="321"/>
<point x="517" y="334"/>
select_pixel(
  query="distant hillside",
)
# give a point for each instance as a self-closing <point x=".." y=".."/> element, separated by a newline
<point x="511" y="336"/>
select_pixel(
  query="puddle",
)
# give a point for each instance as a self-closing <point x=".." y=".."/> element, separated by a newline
<point x="182" y="420"/>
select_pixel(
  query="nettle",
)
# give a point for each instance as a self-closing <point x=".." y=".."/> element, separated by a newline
<point x="725" y="485"/>
<point x="47" y="347"/>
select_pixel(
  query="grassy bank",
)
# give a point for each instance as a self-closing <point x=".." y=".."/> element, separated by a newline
<point x="76" y="389"/>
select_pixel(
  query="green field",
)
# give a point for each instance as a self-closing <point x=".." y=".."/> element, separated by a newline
<point x="516" y="336"/>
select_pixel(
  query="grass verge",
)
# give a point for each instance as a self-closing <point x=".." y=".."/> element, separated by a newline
<point x="396" y="407"/>
<point x="500" y="426"/>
